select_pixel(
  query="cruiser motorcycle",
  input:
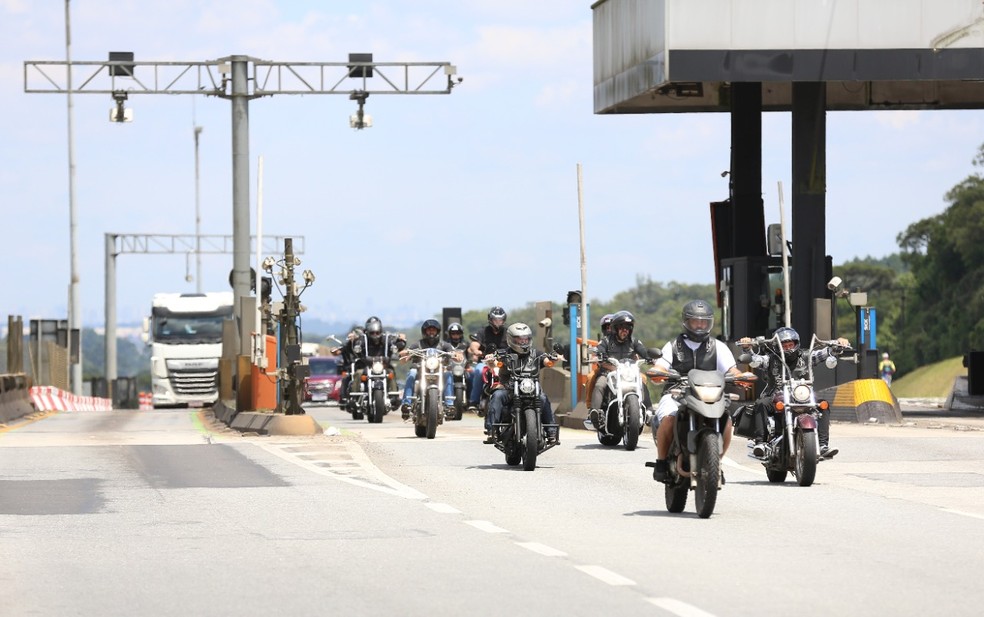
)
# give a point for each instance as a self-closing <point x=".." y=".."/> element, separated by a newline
<point x="698" y="440"/>
<point x="522" y="437"/>
<point x="792" y="443"/>
<point x="372" y="398"/>
<point x="622" y="418"/>
<point x="426" y="408"/>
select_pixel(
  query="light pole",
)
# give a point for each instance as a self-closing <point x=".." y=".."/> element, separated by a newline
<point x="74" y="299"/>
<point x="198" y="219"/>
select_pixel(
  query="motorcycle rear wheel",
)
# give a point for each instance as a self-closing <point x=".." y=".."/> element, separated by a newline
<point x="531" y="440"/>
<point x="806" y="458"/>
<point x="676" y="496"/>
<point x="709" y="470"/>
<point x="634" y="424"/>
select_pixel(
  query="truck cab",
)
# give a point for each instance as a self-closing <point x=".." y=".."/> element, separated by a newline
<point x="184" y="332"/>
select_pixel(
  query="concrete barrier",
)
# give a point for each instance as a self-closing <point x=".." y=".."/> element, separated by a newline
<point x="863" y="400"/>
<point x="15" y="396"/>
<point x="50" y="398"/>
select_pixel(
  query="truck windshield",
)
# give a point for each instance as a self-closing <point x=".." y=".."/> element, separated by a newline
<point x="188" y="329"/>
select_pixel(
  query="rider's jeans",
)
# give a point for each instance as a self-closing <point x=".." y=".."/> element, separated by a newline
<point x="449" y="387"/>
<point x="408" y="388"/>
<point x="476" y="386"/>
<point x="500" y="398"/>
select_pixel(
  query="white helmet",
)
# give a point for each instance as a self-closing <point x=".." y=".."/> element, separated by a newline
<point x="519" y="337"/>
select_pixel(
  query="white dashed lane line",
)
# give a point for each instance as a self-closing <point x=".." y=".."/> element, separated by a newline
<point x="443" y="508"/>
<point x="542" y="549"/>
<point x="605" y="575"/>
<point x="678" y="607"/>
<point x="486" y="526"/>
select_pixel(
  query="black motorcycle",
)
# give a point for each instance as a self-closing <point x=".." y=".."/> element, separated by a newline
<point x="523" y="436"/>
<point x="372" y="397"/>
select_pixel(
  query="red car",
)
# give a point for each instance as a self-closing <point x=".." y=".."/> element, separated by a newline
<point x="324" y="382"/>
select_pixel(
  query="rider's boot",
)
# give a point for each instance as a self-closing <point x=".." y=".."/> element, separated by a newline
<point x="405" y="410"/>
<point x="553" y="435"/>
<point x="661" y="470"/>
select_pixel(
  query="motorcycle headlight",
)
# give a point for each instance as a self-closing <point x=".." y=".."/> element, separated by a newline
<point x="708" y="394"/>
<point x="457" y="370"/>
<point x="377" y="367"/>
<point x="432" y="363"/>
<point x="526" y="386"/>
<point x="802" y="393"/>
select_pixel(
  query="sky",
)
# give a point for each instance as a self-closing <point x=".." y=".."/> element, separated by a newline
<point x="465" y="200"/>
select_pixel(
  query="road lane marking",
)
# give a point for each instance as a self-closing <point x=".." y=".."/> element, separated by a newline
<point x="605" y="575"/>
<point x="542" y="549"/>
<point x="678" y="607"/>
<point x="372" y="477"/>
<point x="443" y="508"/>
<point x="487" y="527"/>
<point x="962" y="513"/>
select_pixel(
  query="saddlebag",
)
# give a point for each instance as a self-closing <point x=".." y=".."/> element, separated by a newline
<point x="744" y="422"/>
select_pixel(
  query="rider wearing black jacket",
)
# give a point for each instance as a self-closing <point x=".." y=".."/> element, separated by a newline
<point x="798" y="361"/>
<point x="488" y="340"/>
<point x="373" y="343"/>
<point x="619" y="344"/>
<point x="519" y="339"/>
<point x="430" y="338"/>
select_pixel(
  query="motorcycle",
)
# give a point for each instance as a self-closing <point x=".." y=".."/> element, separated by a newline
<point x="459" y="386"/>
<point x="427" y="408"/>
<point x="523" y="436"/>
<point x="792" y="443"/>
<point x="698" y="440"/>
<point x="373" y="399"/>
<point x="622" y="418"/>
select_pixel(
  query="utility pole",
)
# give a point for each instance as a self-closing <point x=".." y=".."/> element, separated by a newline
<point x="240" y="78"/>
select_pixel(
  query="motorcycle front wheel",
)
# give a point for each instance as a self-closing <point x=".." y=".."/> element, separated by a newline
<point x="633" y="425"/>
<point x="709" y="473"/>
<point x="676" y="496"/>
<point x="531" y="440"/>
<point x="378" y="409"/>
<point x="432" y="407"/>
<point x="806" y="457"/>
<point x="459" y="403"/>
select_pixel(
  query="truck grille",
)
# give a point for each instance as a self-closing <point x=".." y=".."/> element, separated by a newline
<point x="195" y="383"/>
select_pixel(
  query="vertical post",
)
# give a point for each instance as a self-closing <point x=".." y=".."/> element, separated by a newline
<point x="110" y="310"/>
<point x="198" y="219"/>
<point x="575" y="354"/>
<point x="74" y="299"/>
<point x="584" y="262"/>
<point x="240" y="184"/>
<point x="259" y="346"/>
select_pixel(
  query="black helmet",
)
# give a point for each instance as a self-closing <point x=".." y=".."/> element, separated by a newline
<point x="374" y="329"/>
<point x="698" y="320"/>
<point x="430" y="324"/>
<point x="519" y="337"/>
<point x="623" y="319"/>
<point x="454" y="328"/>
<point x="497" y="317"/>
<point x="789" y="340"/>
<point x="606" y="323"/>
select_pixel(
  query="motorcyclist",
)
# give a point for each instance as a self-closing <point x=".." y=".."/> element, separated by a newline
<point x="372" y="344"/>
<point x="348" y="358"/>
<point x="456" y="337"/>
<point x="430" y="338"/>
<point x="484" y="342"/>
<point x="519" y="341"/>
<point x="617" y="345"/>
<point x="694" y="348"/>
<point x="798" y="361"/>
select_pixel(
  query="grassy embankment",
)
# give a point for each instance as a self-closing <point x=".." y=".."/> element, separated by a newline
<point x="931" y="381"/>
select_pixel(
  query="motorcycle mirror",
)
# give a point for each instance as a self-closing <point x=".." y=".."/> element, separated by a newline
<point x="830" y="362"/>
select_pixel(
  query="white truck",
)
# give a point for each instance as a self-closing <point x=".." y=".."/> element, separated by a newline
<point x="185" y="335"/>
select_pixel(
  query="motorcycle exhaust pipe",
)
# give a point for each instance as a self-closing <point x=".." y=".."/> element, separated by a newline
<point x="680" y="470"/>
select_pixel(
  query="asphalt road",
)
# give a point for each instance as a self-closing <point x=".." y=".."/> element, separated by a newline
<point x="165" y="513"/>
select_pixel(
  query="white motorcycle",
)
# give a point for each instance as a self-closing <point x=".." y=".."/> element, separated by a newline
<point x="623" y="415"/>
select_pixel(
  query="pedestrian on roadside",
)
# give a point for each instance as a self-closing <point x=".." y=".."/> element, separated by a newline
<point x="886" y="368"/>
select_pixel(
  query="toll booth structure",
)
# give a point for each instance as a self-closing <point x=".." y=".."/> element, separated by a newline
<point x="746" y="57"/>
